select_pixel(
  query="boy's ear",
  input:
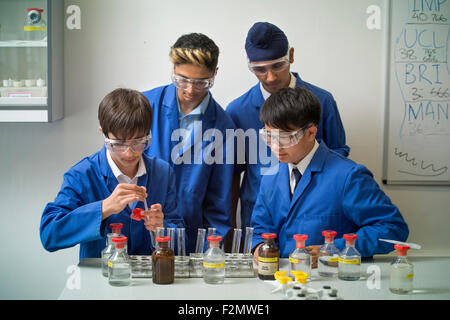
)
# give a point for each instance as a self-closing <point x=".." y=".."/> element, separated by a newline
<point x="312" y="131"/>
<point x="100" y="128"/>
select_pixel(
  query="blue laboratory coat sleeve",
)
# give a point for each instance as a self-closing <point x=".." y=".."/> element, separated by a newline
<point x="68" y="220"/>
<point x="367" y="206"/>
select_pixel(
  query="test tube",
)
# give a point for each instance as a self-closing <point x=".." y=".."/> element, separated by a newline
<point x="236" y="241"/>
<point x="248" y="240"/>
<point x="171" y="234"/>
<point x="181" y="244"/>
<point x="200" y="240"/>
<point x="211" y="231"/>
<point x="160" y="231"/>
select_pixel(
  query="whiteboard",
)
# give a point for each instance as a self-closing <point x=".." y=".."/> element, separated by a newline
<point x="417" y="126"/>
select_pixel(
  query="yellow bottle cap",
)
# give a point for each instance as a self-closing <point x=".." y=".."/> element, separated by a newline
<point x="279" y="274"/>
<point x="301" y="277"/>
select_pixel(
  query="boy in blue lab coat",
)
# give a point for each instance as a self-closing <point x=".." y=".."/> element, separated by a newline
<point x="105" y="187"/>
<point x="316" y="188"/>
<point x="189" y="132"/>
<point x="270" y="57"/>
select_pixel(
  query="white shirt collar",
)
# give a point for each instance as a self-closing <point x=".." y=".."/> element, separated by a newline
<point x="266" y="94"/>
<point x="302" y="165"/>
<point x="122" y="178"/>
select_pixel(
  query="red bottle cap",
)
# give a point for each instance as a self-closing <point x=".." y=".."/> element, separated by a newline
<point x="162" y="239"/>
<point x="137" y="214"/>
<point x="214" y="238"/>
<point x="401" y="249"/>
<point x="329" y="235"/>
<point x="35" y="9"/>
<point x="268" y="235"/>
<point x="300" y="236"/>
<point x="350" y="236"/>
<point x="120" y="241"/>
<point x="116" y="227"/>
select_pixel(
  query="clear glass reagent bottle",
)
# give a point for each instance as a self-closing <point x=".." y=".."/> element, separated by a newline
<point x="300" y="258"/>
<point x="119" y="266"/>
<point x="110" y="247"/>
<point x="402" y="272"/>
<point x="328" y="255"/>
<point x="349" y="267"/>
<point x="214" y="262"/>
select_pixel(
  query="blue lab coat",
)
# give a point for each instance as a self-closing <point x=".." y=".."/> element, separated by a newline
<point x="245" y="113"/>
<point x="203" y="189"/>
<point x="334" y="193"/>
<point x="75" y="216"/>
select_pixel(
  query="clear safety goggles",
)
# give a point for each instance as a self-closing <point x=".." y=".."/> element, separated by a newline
<point x="278" y="65"/>
<point x="281" y="139"/>
<point x="122" y="146"/>
<point x="198" y="84"/>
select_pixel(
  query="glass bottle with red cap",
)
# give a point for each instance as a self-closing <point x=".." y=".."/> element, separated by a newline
<point x="349" y="267"/>
<point x="268" y="257"/>
<point x="116" y="229"/>
<point x="163" y="262"/>
<point x="35" y="27"/>
<point x="328" y="255"/>
<point x="119" y="266"/>
<point x="300" y="258"/>
<point x="402" y="272"/>
<point x="214" y="261"/>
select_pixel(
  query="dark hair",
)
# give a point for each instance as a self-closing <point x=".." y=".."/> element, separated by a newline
<point x="125" y="112"/>
<point x="291" y="108"/>
<point x="195" y="48"/>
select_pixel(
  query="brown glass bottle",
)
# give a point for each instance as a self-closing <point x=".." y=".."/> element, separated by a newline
<point x="268" y="257"/>
<point x="163" y="259"/>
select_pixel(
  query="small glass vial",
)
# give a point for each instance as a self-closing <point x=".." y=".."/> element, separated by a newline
<point x="163" y="259"/>
<point x="402" y="272"/>
<point x="328" y="255"/>
<point x="214" y="261"/>
<point x="119" y="266"/>
<point x="300" y="258"/>
<point x="268" y="257"/>
<point x="349" y="267"/>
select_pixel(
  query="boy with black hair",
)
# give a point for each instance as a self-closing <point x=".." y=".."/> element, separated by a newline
<point x="315" y="188"/>
<point x="105" y="187"/>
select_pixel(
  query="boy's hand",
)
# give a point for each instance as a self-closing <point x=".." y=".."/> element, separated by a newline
<point x="122" y="195"/>
<point x="314" y="251"/>
<point x="154" y="217"/>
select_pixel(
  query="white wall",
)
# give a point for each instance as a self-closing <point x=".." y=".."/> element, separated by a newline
<point x="126" y="43"/>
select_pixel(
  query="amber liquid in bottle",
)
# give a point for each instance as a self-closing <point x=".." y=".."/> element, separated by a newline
<point x="268" y="260"/>
<point x="163" y="259"/>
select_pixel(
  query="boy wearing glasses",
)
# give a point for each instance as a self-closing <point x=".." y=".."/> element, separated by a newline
<point x="269" y="58"/>
<point x="105" y="187"/>
<point x="315" y="188"/>
<point x="189" y="129"/>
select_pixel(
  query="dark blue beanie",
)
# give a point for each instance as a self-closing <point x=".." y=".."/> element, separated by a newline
<point x="265" y="41"/>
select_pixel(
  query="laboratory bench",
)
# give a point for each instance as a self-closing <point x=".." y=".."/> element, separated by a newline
<point x="431" y="282"/>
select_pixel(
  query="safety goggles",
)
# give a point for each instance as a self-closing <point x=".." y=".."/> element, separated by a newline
<point x="122" y="146"/>
<point x="198" y="84"/>
<point x="281" y="139"/>
<point x="278" y="65"/>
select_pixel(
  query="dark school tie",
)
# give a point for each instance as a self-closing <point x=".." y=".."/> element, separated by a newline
<point x="297" y="176"/>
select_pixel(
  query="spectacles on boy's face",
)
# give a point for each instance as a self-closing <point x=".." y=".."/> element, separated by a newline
<point x="122" y="146"/>
<point x="197" y="84"/>
<point x="282" y="139"/>
<point x="278" y="65"/>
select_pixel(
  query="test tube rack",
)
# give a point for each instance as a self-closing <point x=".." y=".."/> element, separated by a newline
<point x="237" y="265"/>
